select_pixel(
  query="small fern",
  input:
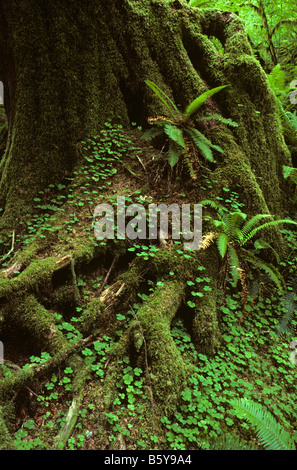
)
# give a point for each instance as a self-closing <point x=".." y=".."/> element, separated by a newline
<point x="270" y="433"/>
<point x="289" y="172"/>
<point x="184" y="139"/>
<point x="233" y="234"/>
<point x="290" y="305"/>
<point x="230" y="443"/>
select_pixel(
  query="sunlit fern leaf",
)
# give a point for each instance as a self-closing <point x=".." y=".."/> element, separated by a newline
<point x="198" y="3"/>
<point x="289" y="172"/>
<point x="270" y="433"/>
<point x="193" y="107"/>
<point x="217" y="148"/>
<point x="234" y="221"/>
<point x="271" y="271"/>
<point x="174" y="133"/>
<point x="174" y="153"/>
<point x="201" y="143"/>
<point x="277" y="80"/>
<point x="234" y="265"/>
<point x="266" y="225"/>
<point x="250" y="224"/>
<point x="172" y="108"/>
<point x="205" y="151"/>
<point x="222" y="243"/>
<point x="217" y="117"/>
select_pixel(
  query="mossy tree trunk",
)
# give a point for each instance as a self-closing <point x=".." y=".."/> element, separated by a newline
<point x="68" y="67"/>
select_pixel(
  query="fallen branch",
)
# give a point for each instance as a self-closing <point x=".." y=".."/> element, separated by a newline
<point x="107" y="276"/>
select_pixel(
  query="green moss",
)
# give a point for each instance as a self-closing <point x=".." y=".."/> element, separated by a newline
<point x="168" y="370"/>
<point x="6" y="442"/>
<point x="92" y="315"/>
<point x="31" y="316"/>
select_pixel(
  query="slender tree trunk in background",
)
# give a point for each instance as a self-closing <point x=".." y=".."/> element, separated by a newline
<point x="68" y="66"/>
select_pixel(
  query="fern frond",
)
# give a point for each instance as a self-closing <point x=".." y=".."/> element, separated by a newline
<point x="175" y="151"/>
<point x="234" y="265"/>
<point x="189" y="164"/>
<point x="277" y="80"/>
<point x="201" y="142"/>
<point x="289" y="172"/>
<point x="197" y="3"/>
<point x="250" y="224"/>
<point x="216" y="206"/>
<point x="150" y="134"/>
<point x="207" y="240"/>
<point x="218" y="117"/>
<point x="222" y="243"/>
<point x="266" y="225"/>
<point x="172" y="108"/>
<point x="174" y="133"/>
<point x="269" y="431"/>
<point x="271" y="271"/>
<point x="230" y="443"/>
<point x="234" y="221"/>
<point x="193" y="107"/>
<point x="260" y="244"/>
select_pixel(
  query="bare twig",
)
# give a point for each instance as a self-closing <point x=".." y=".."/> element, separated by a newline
<point x="107" y="276"/>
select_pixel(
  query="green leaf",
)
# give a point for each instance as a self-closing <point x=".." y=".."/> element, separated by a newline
<point x="174" y="133"/>
<point x="165" y="99"/>
<point x="222" y="243"/>
<point x="174" y="152"/>
<point x="195" y="105"/>
<point x="289" y="172"/>
<point x="269" y="431"/>
<point x="218" y="117"/>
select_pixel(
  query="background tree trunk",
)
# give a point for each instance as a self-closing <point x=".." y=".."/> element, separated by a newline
<point x="67" y="67"/>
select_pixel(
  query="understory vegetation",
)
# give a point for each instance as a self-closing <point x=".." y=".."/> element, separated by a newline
<point x="113" y="395"/>
<point x="115" y="343"/>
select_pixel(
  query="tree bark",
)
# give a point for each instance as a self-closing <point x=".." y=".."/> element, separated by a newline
<point x="67" y="67"/>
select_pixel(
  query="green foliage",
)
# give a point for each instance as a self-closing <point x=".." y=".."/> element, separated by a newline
<point x="280" y="82"/>
<point x="269" y="431"/>
<point x="198" y="3"/>
<point x="234" y="232"/>
<point x="289" y="172"/>
<point x="271" y="28"/>
<point x="184" y="138"/>
<point x="251" y="363"/>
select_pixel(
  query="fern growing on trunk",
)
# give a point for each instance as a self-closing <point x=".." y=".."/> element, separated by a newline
<point x="184" y="139"/>
<point x="234" y="232"/>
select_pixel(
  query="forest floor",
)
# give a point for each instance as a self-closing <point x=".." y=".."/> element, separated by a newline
<point x="104" y="391"/>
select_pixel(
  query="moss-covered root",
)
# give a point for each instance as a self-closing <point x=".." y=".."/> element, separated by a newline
<point x="38" y="322"/>
<point x="73" y="412"/>
<point x="206" y="332"/>
<point x="152" y="330"/>
<point x="6" y="442"/>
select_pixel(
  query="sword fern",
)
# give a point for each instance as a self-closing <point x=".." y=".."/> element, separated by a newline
<point x="184" y="139"/>
<point x="270" y="433"/>
<point x="233" y="234"/>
